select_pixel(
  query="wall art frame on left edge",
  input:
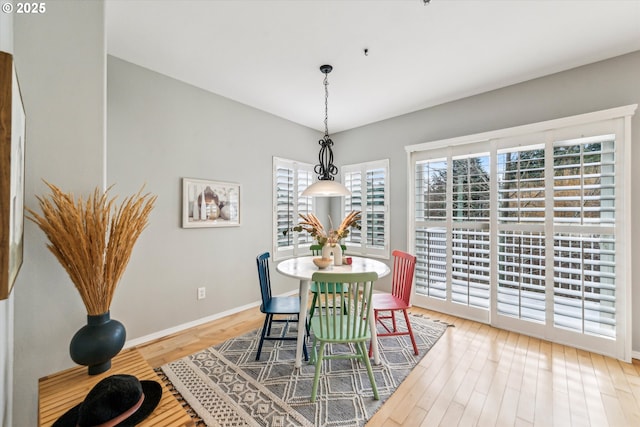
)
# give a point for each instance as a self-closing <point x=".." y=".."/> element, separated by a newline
<point x="12" y="151"/>
<point x="208" y="203"/>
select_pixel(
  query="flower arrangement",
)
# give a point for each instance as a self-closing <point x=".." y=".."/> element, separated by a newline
<point x="312" y="225"/>
<point x="93" y="245"/>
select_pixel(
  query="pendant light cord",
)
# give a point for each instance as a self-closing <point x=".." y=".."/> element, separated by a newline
<point x="326" y="105"/>
<point x="325" y="167"/>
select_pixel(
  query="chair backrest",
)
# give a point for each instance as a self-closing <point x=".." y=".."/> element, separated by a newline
<point x="264" y="277"/>
<point x="316" y="250"/>
<point x="404" y="265"/>
<point x="338" y="324"/>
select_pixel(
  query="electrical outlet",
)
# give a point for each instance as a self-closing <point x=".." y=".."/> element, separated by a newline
<point x="202" y="293"/>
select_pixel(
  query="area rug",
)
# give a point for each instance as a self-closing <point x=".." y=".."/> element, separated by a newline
<point x="227" y="387"/>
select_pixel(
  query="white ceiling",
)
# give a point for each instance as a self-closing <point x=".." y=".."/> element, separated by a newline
<point x="267" y="53"/>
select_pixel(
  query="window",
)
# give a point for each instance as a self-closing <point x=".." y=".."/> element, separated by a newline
<point x="290" y="178"/>
<point x="369" y="186"/>
<point x="525" y="229"/>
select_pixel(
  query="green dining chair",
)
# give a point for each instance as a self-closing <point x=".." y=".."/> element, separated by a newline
<point x="316" y="250"/>
<point x="340" y="327"/>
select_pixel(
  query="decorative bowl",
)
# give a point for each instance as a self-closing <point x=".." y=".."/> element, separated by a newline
<point x="322" y="262"/>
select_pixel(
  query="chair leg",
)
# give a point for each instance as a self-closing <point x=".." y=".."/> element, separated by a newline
<point x="413" y="340"/>
<point x="316" y="377"/>
<point x="314" y="353"/>
<point x="375" y="316"/>
<point x="393" y="321"/>
<point x="306" y="325"/>
<point x="313" y="305"/>
<point x="304" y="341"/>
<point x="362" y="350"/>
<point x="267" y="323"/>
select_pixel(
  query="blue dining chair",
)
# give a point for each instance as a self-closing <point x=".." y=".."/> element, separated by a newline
<point x="272" y="306"/>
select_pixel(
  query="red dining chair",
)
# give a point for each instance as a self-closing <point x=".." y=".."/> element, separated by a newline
<point x="385" y="305"/>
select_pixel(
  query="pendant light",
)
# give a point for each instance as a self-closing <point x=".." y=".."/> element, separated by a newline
<point x="326" y="170"/>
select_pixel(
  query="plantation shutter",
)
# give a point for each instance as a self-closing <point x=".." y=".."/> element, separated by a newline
<point x="521" y="236"/>
<point x="284" y="205"/>
<point x="376" y="208"/>
<point x="353" y="182"/>
<point x="521" y="187"/>
<point x="470" y="264"/>
<point x="305" y="204"/>
<point x="368" y="183"/>
<point x="430" y="232"/>
<point x="290" y="178"/>
<point x="585" y="273"/>
<point x="584" y="182"/>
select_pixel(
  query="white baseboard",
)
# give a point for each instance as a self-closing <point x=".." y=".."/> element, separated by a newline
<point x="185" y="326"/>
<point x="635" y="355"/>
<point x="161" y="334"/>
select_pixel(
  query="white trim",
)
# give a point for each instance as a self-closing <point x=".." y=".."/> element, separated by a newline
<point x="612" y="113"/>
<point x="180" y="328"/>
<point x="627" y="350"/>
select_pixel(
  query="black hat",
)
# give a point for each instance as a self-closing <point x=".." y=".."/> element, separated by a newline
<point x="118" y="400"/>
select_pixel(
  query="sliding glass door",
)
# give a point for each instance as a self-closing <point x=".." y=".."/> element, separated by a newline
<point x="526" y="232"/>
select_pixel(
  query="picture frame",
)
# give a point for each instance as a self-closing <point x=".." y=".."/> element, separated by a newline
<point x="12" y="149"/>
<point x="220" y="209"/>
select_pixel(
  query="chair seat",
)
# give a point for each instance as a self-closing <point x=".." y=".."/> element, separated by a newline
<point x="282" y="305"/>
<point x="384" y="302"/>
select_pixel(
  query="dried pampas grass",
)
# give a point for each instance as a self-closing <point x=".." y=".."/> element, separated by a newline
<point x="92" y="240"/>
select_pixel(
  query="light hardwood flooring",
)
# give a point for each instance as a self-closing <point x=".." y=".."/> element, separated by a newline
<point x="475" y="375"/>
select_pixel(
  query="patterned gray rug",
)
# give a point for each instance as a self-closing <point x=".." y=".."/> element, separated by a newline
<point x="226" y="387"/>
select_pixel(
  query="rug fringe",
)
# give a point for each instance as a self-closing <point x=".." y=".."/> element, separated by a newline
<point x="198" y="422"/>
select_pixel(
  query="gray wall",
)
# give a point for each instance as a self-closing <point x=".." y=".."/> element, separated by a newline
<point x="61" y="61"/>
<point x="160" y="130"/>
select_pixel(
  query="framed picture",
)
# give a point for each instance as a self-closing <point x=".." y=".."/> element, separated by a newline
<point x="210" y="203"/>
<point x="12" y="132"/>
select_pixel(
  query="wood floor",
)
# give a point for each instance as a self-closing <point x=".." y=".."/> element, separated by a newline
<point x="475" y="375"/>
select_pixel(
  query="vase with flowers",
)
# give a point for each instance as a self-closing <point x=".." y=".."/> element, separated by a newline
<point x="93" y="241"/>
<point x="329" y="240"/>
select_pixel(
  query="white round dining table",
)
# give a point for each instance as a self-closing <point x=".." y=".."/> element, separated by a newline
<point x="302" y="268"/>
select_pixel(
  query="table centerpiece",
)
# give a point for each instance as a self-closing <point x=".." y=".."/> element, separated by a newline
<point x="330" y="239"/>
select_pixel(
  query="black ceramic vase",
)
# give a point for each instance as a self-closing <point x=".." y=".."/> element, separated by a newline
<point x="96" y="343"/>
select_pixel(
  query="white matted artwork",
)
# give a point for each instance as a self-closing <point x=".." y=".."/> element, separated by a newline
<point x="210" y="203"/>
